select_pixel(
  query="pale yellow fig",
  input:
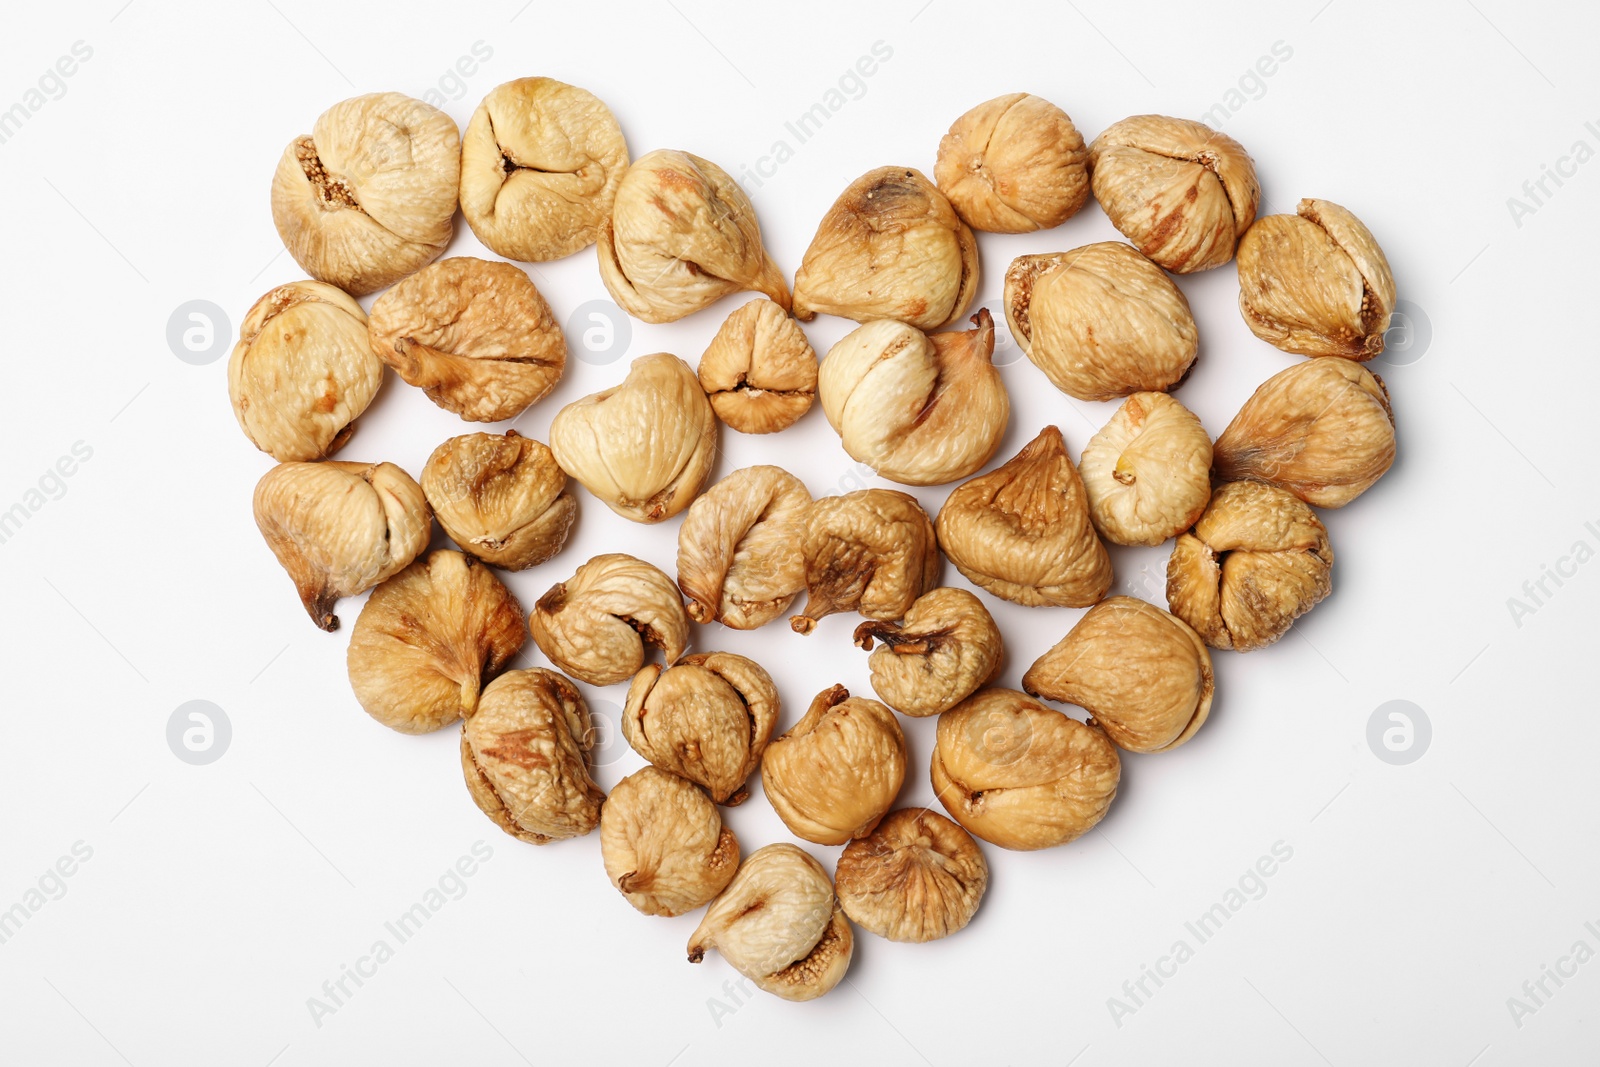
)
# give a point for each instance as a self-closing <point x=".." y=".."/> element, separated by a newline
<point x="919" y="410"/>
<point x="501" y="497"/>
<point x="740" y="554"/>
<point x="1014" y="164"/>
<point x="664" y="845"/>
<point x="1147" y="472"/>
<point x="917" y="877"/>
<point x="872" y="551"/>
<point x="945" y="647"/>
<point x="370" y="194"/>
<point x="599" y="625"/>
<point x="760" y="371"/>
<point x="682" y="235"/>
<point x="540" y="164"/>
<point x="835" y="773"/>
<point x="891" y="247"/>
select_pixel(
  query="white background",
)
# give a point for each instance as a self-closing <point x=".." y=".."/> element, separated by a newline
<point x="219" y="898"/>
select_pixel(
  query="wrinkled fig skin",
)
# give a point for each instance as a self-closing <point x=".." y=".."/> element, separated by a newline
<point x="779" y="925"/>
<point x="1316" y="283"/>
<point x="525" y="755"/>
<point x="945" y="647"/>
<point x="919" y="410"/>
<point x="429" y="639"/>
<point x="835" y="773"/>
<point x="475" y="336"/>
<point x="1143" y="675"/>
<point x="891" y="247"/>
<point x="1021" y="775"/>
<point x="1257" y="560"/>
<point x="1180" y="191"/>
<point x="598" y="624"/>
<point x="683" y="235"/>
<point x="1101" y="321"/>
<point x="302" y="371"/>
<point x="340" y="528"/>
<point x="707" y="717"/>
<point x="1147" y="472"/>
<point x="759" y="371"/>
<point x="1023" y="531"/>
<point x="872" y="551"/>
<point x="540" y="164"/>
<point x="918" y="877"/>
<point x="664" y="845"/>
<point x="501" y="497"/>
<point x="1014" y="164"/>
<point x="1322" y="429"/>
<point x="740" y="558"/>
<point x="644" y="447"/>
<point x="370" y="195"/>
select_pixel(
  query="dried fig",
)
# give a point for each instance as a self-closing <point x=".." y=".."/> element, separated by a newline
<point x="475" y="336"/>
<point x="1143" y="674"/>
<point x="501" y="497"/>
<point x="707" y="717"/>
<point x="1101" y="321"/>
<point x="664" y="845"/>
<point x="1020" y="775"/>
<point x="1014" y="164"/>
<point x="644" y="447"/>
<point x="1147" y="472"/>
<point x="370" y="195"/>
<point x="302" y="372"/>
<point x="340" y="528"/>
<point x="1023" y="531"/>
<point x="682" y="235"/>
<point x="832" y="775"/>
<point x="760" y="371"/>
<point x="1322" y="430"/>
<point x="917" y="877"/>
<point x="525" y="755"/>
<point x="597" y="624"/>
<point x="891" y="247"/>
<point x="919" y="410"/>
<point x="740" y="558"/>
<point x="779" y="925"/>
<point x="1180" y="191"/>
<point x="945" y="647"/>
<point x="540" y="165"/>
<point x="872" y="551"/>
<point x="1257" y="560"/>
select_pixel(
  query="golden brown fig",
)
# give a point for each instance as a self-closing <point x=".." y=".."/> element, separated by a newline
<point x="1316" y="283"/>
<point x="501" y="497"/>
<point x="1143" y="674"/>
<point x="872" y="551"/>
<point x="1020" y="775"/>
<point x="1023" y="532"/>
<point x="370" y="195"/>
<point x="891" y="247"/>
<point x="598" y="624"/>
<point x="1147" y="472"/>
<point x="1257" y="560"/>
<point x="644" y="447"/>
<point x="760" y="371"/>
<point x="1322" y="430"/>
<point x="1101" y="321"/>
<point x="1014" y="164"/>
<point x="779" y="925"/>
<point x="340" y="528"/>
<point x="707" y="717"/>
<point x="429" y="639"/>
<point x="302" y="372"/>
<point x="832" y="775"/>
<point x="682" y="235"/>
<point x="945" y="647"/>
<point x="525" y="756"/>
<point x="917" y="877"/>
<point x="664" y="845"/>
<point x="740" y="558"/>
<point x="475" y="336"/>
<point x="1180" y="191"/>
<point x="919" y="410"/>
<point x="540" y="165"/>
